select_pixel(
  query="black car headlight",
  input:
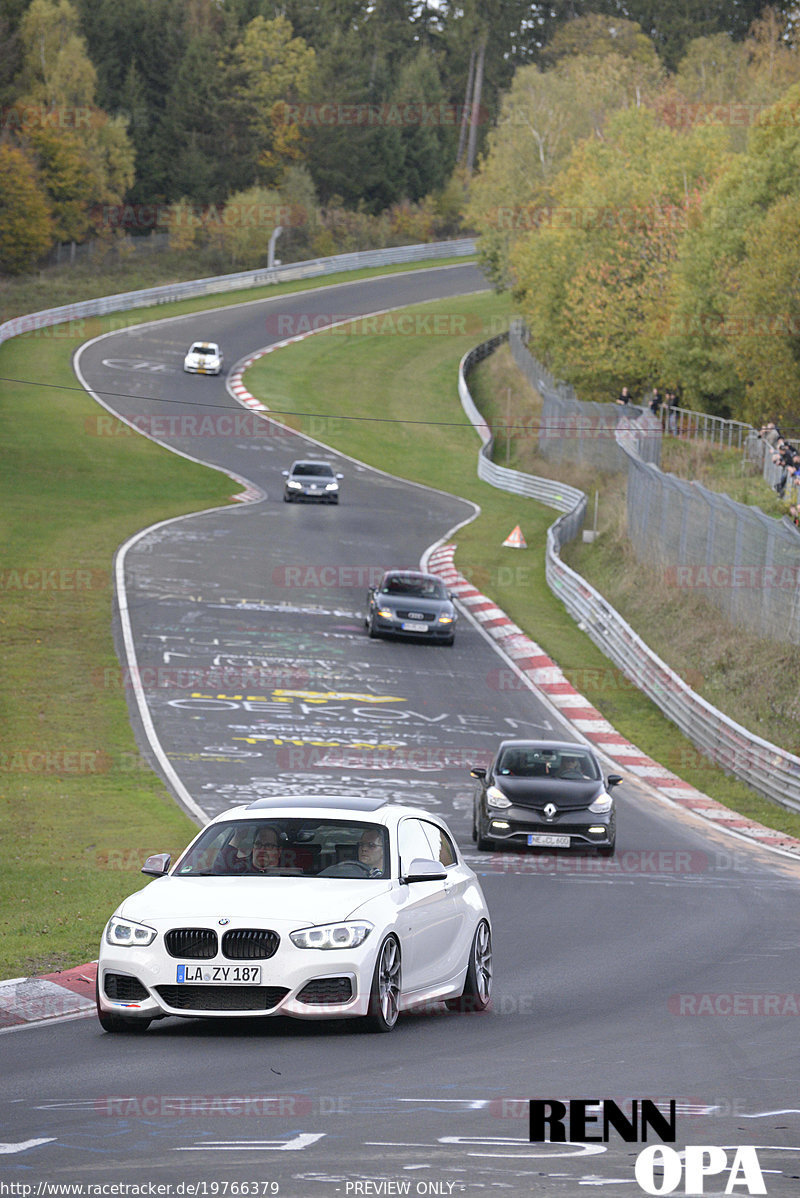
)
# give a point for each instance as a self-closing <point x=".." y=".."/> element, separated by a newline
<point x="496" y="798"/>
<point x="602" y="804"/>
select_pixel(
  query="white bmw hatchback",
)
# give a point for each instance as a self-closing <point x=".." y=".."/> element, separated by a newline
<point x="316" y="908"/>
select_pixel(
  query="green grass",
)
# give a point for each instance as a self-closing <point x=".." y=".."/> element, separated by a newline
<point x="79" y="808"/>
<point x="417" y="382"/>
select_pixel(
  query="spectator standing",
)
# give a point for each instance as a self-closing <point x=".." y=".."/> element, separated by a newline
<point x="624" y="397"/>
<point x="656" y="401"/>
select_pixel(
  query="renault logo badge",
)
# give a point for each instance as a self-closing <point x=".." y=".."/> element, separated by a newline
<point x="550" y="810"/>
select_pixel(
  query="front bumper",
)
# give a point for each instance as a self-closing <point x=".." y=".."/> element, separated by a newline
<point x="513" y="825"/>
<point x="433" y="631"/>
<point x="189" y="368"/>
<point x="303" y="983"/>
<point x="311" y="495"/>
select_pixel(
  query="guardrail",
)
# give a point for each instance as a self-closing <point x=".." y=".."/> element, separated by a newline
<point x="765" y="767"/>
<point x="219" y="284"/>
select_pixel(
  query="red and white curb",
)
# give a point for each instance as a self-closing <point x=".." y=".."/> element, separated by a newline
<point x="69" y="992"/>
<point x="531" y="660"/>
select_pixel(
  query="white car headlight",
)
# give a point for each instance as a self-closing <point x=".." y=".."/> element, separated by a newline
<point x="295" y="486"/>
<point x="127" y="933"/>
<point x="332" y="935"/>
<point x="496" y="798"/>
<point x="602" y="804"/>
<point x="331" y="486"/>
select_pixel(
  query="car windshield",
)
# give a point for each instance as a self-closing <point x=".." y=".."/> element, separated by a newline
<point x="416" y="588"/>
<point x="574" y="765"/>
<point x="319" y="469"/>
<point x="289" y="847"/>
<point x="204" y="349"/>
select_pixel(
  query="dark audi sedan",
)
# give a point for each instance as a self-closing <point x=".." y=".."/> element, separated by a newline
<point x="407" y="603"/>
<point x="544" y="794"/>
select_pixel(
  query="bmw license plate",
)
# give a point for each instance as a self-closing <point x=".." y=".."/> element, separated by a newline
<point x="414" y="626"/>
<point x="548" y="842"/>
<point x="224" y="975"/>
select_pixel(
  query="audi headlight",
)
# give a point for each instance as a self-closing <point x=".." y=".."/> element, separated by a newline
<point x="332" y="935"/>
<point x="602" y="804"/>
<point x="385" y="613"/>
<point x="445" y="619"/>
<point x="126" y="933"/>
<point x="496" y="798"/>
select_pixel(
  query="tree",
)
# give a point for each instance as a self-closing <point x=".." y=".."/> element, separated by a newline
<point x="271" y="72"/>
<point x="762" y="326"/>
<point x="622" y="206"/>
<point x="544" y="116"/>
<point x="26" y="229"/>
<point x="705" y="278"/>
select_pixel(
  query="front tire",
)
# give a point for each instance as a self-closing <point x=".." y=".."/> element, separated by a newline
<point x="371" y="629"/>
<point x="384" y="1000"/>
<point x="484" y="845"/>
<point x="477" y="992"/>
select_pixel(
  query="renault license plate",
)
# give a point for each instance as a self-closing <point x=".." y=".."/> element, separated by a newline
<point x="545" y="841"/>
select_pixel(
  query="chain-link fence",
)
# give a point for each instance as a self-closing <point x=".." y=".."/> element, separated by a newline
<point x="767" y="768"/>
<point x="744" y="562"/>
<point x="586" y="433"/>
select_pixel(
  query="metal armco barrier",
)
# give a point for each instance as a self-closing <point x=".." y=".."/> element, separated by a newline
<point x="766" y="768"/>
<point x="218" y="284"/>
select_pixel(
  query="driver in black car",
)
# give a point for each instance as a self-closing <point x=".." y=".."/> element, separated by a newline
<point x="571" y="769"/>
<point x="370" y="852"/>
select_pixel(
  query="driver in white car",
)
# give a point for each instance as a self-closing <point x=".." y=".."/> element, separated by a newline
<point x="370" y="852"/>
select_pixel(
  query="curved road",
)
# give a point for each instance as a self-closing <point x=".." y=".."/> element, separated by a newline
<point x="259" y="680"/>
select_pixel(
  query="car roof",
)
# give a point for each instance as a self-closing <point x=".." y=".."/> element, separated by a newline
<point x="332" y="806"/>
<point x="311" y="462"/>
<point x="397" y="572"/>
<point x="206" y="344"/>
<point x="558" y="746"/>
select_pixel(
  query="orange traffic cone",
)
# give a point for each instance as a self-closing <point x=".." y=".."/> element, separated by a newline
<point x="515" y="539"/>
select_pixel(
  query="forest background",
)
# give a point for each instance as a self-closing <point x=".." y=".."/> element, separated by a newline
<point x="632" y="169"/>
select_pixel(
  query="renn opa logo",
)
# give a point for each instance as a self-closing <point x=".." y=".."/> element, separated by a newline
<point x="590" y="1120"/>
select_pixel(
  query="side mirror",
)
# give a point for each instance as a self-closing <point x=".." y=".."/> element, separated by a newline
<point x="285" y="473"/>
<point x="340" y="476"/>
<point x="478" y="772"/>
<point x="613" y="780"/>
<point x="423" y="870"/>
<point x="157" y="865"/>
